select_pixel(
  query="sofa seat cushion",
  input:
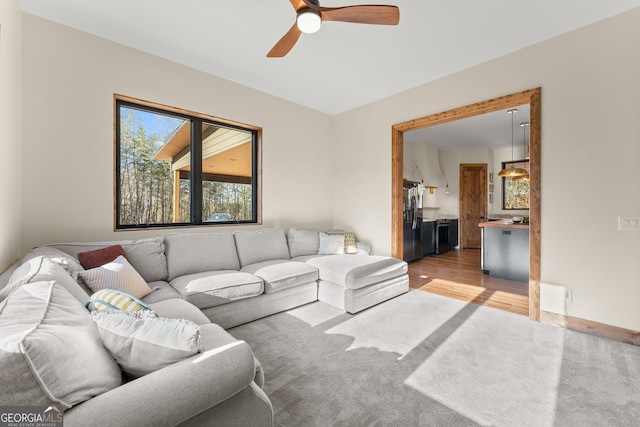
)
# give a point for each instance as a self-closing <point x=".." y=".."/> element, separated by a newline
<point x="279" y="274"/>
<point x="211" y="288"/>
<point x="355" y="271"/>
<point x="163" y="291"/>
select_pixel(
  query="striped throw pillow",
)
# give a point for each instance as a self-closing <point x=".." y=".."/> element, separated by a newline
<point x="109" y="299"/>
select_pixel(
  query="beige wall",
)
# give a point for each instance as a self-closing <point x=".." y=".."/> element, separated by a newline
<point x="10" y="64"/>
<point x="68" y="84"/>
<point x="590" y="153"/>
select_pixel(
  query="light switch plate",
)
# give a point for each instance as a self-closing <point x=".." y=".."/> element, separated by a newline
<point x="629" y="223"/>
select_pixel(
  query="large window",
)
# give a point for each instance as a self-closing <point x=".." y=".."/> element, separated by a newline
<point x="181" y="168"/>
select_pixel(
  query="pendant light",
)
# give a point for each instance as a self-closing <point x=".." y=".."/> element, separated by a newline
<point x="524" y="150"/>
<point x="512" y="171"/>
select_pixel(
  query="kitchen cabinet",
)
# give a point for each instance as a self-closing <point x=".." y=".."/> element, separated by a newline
<point x="428" y="237"/>
<point x="505" y="250"/>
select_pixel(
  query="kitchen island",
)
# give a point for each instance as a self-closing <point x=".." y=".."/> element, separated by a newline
<point x="505" y="249"/>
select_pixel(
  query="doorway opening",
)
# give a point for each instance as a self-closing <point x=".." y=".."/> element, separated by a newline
<point x="530" y="97"/>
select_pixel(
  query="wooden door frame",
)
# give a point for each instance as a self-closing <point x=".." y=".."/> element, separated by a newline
<point x="531" y="97"/>
<point x="485" y="168"/>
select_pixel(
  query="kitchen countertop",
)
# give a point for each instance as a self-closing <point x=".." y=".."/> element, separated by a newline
<point x="503" y="223"/>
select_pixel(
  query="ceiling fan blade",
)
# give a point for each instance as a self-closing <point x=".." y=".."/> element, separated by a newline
<point x="363" y="14"/>
<point x="298" y="4"/>
<point x="286" y="43"/>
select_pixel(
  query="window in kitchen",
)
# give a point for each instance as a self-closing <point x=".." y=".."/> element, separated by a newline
<point x="175" y="167"/>
<point x="515" y="192"/>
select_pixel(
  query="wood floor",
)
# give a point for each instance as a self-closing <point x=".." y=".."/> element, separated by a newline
<point x="457" y="274"/>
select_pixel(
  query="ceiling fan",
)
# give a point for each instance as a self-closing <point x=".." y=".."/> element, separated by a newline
<point x="311" y="15"/>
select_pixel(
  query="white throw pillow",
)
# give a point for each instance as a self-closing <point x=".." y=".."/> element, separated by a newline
<point x="118" y="275"/>
<point x="331" y="244"/>
<point x="50" y="351"/>
<point x="141" y="342"/>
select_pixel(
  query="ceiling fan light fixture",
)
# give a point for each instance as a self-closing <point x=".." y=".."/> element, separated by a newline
<point x="309" y="21"/>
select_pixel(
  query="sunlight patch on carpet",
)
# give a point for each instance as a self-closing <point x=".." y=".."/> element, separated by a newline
<point x="395" y="325"/>
<point x="496" y="369"/>
<point x="316" y="313"/>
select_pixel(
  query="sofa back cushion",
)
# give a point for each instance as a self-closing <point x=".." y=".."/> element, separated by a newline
<point x="261" y="245"/>
<point x="63" y="259"/>
<point x="303" y="241"/>
<point x="40" y="269"/>
<point x="145" y="255"/>
<point x="51" y="351"/>
<point x="189" y="253"/>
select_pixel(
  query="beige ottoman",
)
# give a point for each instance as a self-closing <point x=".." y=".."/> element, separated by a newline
<point x="355" y="282"/>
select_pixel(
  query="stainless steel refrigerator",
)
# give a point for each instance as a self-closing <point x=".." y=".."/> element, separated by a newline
<point x="412" y="221"/>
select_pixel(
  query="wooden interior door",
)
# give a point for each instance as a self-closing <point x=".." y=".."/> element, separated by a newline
<point x="473" y="203"/>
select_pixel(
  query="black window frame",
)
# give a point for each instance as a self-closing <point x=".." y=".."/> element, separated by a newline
<point x="195" y="174"/>
<point x="525" y="164"/>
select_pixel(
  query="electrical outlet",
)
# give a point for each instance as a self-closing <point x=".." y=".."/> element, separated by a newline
<point x="628" y="223"/>
<point x="570" y="295"/>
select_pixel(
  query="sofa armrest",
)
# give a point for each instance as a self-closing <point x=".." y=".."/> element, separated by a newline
<point x="173" y="394"/>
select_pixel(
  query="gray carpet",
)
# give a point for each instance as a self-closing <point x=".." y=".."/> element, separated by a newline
<point x="426" y="360"/>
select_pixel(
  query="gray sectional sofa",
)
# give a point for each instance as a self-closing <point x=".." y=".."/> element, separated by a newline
<point x="210" y="282"/>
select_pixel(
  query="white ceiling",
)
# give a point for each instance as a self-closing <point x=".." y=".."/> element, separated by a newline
<point x="491" y="130"/>
<point x="341" y="67"/>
